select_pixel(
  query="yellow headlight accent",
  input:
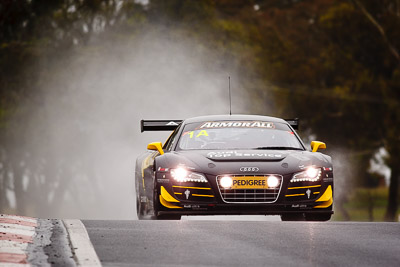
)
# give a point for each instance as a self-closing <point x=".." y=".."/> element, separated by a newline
<point x="167" y="204"/>
<point x="167" y="196"/>
<point x="326" y="198"/>
<point x="325" y="204"/>
<point x="327" y="195"/>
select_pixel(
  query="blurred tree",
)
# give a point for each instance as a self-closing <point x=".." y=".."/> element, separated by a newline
<point x="32" y="33"/>
<point x="341" y="59"/>
<point x="372" y="44"/>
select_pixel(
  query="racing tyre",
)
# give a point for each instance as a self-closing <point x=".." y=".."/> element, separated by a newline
<point x="318" y="217"/>
<point x="292" y="217"/>
<point x="141" y="207"/>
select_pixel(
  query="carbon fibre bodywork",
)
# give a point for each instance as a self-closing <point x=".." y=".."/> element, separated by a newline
<point x="161" y="196"/>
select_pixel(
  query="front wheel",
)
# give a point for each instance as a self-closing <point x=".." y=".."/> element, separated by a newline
<point x="318" y="217"/>
<point x="141" y="209"/>
<point x="142" y="202"/>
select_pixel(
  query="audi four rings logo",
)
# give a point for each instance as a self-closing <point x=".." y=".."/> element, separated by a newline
<point x="249" y="169"/>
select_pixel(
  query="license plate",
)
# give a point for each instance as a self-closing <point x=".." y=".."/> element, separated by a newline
<point x="249" y="183"/>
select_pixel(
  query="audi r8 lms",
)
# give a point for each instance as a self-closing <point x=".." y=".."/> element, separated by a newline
<point x="233" y="164"/>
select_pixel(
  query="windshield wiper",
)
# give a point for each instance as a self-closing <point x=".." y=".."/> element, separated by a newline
<point x="279" y="148"/>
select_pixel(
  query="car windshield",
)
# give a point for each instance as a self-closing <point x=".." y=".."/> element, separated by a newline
<point x="238" y="135"/>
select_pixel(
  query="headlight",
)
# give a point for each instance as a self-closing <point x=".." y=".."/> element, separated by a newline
<point x="311" y="174"/>
<point x="226" y="182"/>
<point x="272" y="181"/>
<point x="183" y="175"/>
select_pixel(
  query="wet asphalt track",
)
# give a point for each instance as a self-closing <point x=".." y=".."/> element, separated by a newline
<point x="245" y="243"/>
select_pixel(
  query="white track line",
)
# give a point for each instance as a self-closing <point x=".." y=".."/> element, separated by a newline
<point x="17" y="231"/>
<point x="19" y="218"/>
<point x="16" y="226"/>
<point x="13" y="226"/>
<point x="85" y="255"/>
<point x="14" y="265"/>
<point x="13" y="250"/>
<point x="13" y="244"/>
<point x="7" y="246"/>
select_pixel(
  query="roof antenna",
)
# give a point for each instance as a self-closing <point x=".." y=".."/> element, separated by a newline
<point x="230" y="99"/>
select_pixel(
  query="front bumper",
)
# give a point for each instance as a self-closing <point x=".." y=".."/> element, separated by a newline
<point x="206" y="199"/>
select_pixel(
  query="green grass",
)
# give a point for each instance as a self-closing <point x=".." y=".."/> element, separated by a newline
<point x="359" y="202"/>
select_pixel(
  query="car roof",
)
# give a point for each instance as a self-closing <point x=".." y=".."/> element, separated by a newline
<point x="234" y="118"/>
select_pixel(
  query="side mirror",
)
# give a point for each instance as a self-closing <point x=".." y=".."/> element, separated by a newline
<point x="157" y="146"/>
<point x="315" y="145"/>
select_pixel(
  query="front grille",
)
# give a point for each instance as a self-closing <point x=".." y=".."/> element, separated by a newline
<point x="249" y="195"/>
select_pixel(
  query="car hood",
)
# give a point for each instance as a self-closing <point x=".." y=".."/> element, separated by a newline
<point x="232" y="161"/>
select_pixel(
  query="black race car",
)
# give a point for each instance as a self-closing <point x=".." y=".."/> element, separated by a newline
<point x="233" y="164"/>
